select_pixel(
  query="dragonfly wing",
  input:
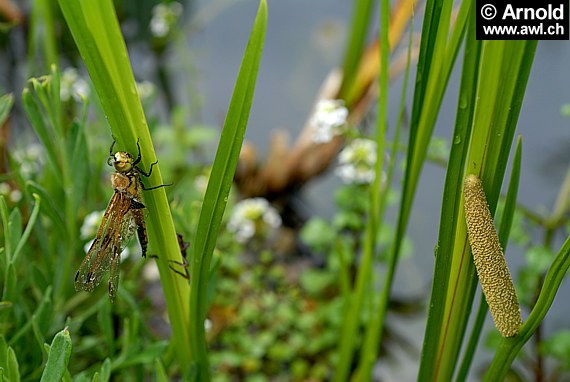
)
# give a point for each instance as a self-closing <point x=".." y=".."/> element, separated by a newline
<point x="106" y="247"/>
<point x="114" y="276"/>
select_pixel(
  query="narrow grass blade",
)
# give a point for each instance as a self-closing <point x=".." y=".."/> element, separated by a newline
<point x="218" y="189"/>
<point x="29" y="226"/>
<point x="451" y="204"/>
<point x="362" y="15"/>
<point x="437" y="58"/>
<point x="6" y="103"/>
<point x="504" y="66"/>
<point x="354" y="307"/>
<point x="97" y="34"/>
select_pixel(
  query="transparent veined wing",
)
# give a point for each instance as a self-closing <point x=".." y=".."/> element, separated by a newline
<point x="113" y="235"/>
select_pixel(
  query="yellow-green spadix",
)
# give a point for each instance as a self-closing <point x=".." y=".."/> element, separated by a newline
<point x="489" y="260"/>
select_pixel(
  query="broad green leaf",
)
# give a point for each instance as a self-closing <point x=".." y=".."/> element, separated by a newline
<point x="8" y="362"/>
<point x="13" y="369"/>
<point x="105" y="373"/>
<point x="58" y="358"/>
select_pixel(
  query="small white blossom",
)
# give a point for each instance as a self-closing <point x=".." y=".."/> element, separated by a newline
<point x="73" y="85"/>
<point x="356" y="162"/>
<point x="146" y="90"/>
<point x="252" y="217"/>
<point x="328" y="120"/>
<point x="88" y="245"/>
<point x="150" y="271"/>
<point x="29" y="160"/>
<point x="126" y="254"/>
<point x="91" y="224"/>
<point x="201" y="183"/>
<point x="5" y="188"/>
<point x="15" y="196"/>
<point x="164" y="17"/>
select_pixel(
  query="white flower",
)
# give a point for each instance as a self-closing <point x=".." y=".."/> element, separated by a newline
<point x="80" y="90"/>
<point x="150" y="271"/>
<point x="88" y="245"/>
<point x="328" y="120"/>
<point x="15" y="196"/>
<point x="208" y="324"/>
<point x="5" y="188"/>
<point x="357" y="162"/>
<point x="164" y="17"/>
<point x="159" y="27"/>
<point x="91" y="224"/>
<point x="252" y="217"/>
<point x="201" y="183"/>
<point x="72" y="85"/>
<point x="146" y="90"/>
<point x="29" y="160"/>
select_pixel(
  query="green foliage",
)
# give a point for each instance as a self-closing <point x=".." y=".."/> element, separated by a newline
<point x="218" y="189"/>
<point x="558" y="346"/>
<point x="269" y="314"/>
<point x="58" y="357"/>
<point x="8" y="362"/>
<point x="6" y="103"/>
<point x="318" y="234"/>
<point x="270" y="323"/>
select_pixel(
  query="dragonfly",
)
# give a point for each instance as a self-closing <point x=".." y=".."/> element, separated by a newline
<point x="124" y="215"/>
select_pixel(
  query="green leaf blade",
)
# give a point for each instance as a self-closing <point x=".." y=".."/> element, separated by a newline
<point x="217" y="192"/>
<point x="58" y="357"/>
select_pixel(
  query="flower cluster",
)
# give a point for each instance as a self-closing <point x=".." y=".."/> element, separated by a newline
<point x="357" y="161"/>
<point x="73" y="85"/>
<point x="30" y="160"/>
<point x="492" y="269"/>
<point x="91" y="224"/>
<point x="14" y="195"/>
<point x="164" y="17"/>
<point x="253" y="217"/>
<point x="328" y="120"/>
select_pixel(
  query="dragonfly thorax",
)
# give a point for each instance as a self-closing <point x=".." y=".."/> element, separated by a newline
<point x="126" y="183"/>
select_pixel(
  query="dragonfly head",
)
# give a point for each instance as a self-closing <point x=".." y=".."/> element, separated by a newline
<point x="122" y="161"/>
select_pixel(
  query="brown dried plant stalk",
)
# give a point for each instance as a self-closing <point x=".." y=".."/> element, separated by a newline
<point x="489" y="260"/>
<point x="287" y="167"/>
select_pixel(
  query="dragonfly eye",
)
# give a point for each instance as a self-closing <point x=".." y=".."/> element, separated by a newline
<point x="123" y="162"/>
